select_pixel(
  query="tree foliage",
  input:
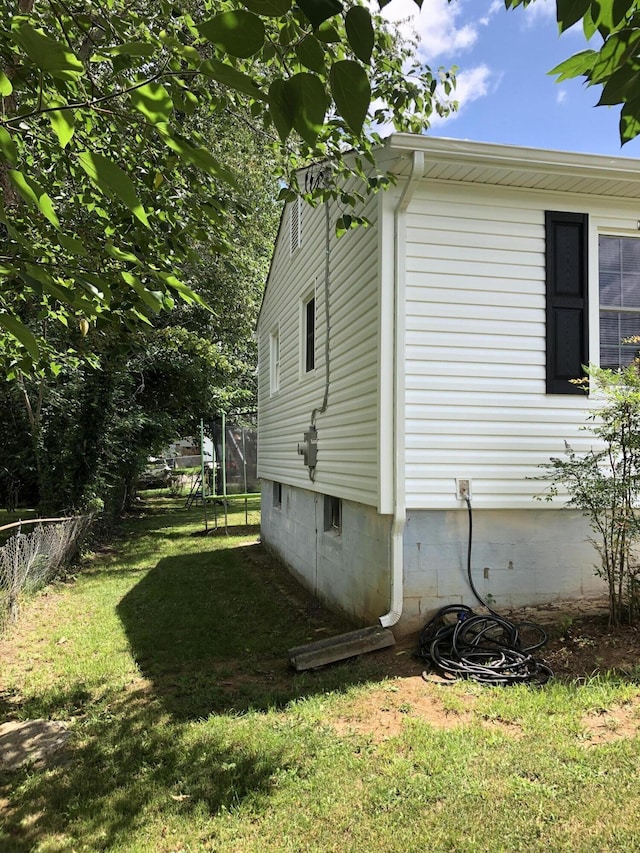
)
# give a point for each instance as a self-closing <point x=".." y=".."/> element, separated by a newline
<point x="614" y="62"/>
<point x="108" y="186"/>
<point x="85" y="433"/>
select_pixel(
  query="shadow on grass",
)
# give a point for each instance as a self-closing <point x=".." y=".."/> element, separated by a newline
<point x="55" y="703"/>
<point x="126" y="765"/>
<point x="211" y="632"/>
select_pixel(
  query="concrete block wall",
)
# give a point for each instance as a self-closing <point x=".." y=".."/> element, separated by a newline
<point x="519" y="558"/>
<point x="348" y="571"/>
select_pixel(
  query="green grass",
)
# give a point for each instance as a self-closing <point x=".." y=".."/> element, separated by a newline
<point x="190" y="733"/>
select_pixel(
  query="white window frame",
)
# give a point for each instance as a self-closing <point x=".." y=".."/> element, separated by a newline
<point x="306" y="299"/>
<point x="274" y="361"/>
<point x="295" y="225"/>
<point x="603" y="229"/>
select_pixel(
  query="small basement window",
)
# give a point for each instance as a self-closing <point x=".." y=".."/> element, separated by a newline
<point x="277" y="495"/>
<point x="332" y="514"/>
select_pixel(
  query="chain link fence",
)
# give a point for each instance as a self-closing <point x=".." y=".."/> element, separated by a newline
<point x="30" y="560"/>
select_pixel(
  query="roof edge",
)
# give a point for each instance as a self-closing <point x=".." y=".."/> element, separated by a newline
<point x="515" y="156"/>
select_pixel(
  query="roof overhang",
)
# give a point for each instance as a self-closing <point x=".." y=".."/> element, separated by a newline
<point x="515" y="166"/>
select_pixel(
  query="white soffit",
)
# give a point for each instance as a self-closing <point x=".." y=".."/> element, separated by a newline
<point x="514" y="166"/>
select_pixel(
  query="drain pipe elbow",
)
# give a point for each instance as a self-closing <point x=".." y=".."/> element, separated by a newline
<point x="392" y="617"/>
<point x="397" y="593"/>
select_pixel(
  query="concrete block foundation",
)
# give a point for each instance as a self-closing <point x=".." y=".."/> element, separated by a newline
<point x="520" y="558"/>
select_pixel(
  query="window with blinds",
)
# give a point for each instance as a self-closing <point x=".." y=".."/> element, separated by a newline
<point x="619" y="277"/>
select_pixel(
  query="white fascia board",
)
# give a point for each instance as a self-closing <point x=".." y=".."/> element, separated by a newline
<point x="517" y="158"/>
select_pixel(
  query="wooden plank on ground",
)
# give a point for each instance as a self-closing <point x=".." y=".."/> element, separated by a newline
<point x="333" y="649"/>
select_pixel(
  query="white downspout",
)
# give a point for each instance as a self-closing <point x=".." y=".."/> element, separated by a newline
<point x="399" y="425"/>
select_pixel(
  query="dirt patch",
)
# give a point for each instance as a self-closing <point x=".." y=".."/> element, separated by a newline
<point x="33" y="742"/>
<point x="388" y="709"/>
<point x="582" y="646"/>
<point x="608" y="725"/>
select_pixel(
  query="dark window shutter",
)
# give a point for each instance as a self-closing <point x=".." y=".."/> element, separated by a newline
<point x="567" y="292"/>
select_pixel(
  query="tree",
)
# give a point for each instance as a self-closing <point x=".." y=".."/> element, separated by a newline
<point x="81" y="437"/>
<point x="105" y="197"/>
<point x="614" y="64"/>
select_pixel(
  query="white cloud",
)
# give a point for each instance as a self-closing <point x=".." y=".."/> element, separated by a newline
<point x="540" y="10"/>
<point x="436" y="25"/>
<point x="473" y="84"/>
<point x="447" y="29"/>
<point x="495" y="7"/>
<point x="561" y="97"/>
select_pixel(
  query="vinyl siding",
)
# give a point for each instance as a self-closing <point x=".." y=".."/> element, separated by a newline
<point x="475" y="396"/>
<point x="347" y="432"/>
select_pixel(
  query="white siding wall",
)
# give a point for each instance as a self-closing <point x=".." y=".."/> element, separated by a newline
<point x="347" y="431"/>
<point x="476" y="405"/>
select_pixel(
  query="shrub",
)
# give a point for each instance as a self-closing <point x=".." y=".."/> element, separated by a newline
<point x="604" y="484"/>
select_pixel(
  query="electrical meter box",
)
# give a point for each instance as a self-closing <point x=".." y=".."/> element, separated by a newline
<point x="308" y="448"/>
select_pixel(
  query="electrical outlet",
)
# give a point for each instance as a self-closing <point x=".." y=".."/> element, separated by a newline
<point x="463" y="489"/>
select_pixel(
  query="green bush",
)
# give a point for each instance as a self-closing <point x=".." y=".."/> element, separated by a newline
<point x="604" y="484"/>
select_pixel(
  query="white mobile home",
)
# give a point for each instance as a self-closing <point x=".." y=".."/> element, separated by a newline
<point x="436" y="346"/>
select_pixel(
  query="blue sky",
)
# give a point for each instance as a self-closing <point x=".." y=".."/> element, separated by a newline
<point x="505" y="93"/>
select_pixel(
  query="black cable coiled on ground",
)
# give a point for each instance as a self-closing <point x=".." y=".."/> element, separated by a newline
<point x="459" y="643"/>
<point x="490" y="649"/>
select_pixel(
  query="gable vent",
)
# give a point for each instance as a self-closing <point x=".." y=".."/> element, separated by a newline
<point x="295" y="225"/>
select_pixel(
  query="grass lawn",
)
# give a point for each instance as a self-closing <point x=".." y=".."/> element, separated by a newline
<point x="167" y="655"/>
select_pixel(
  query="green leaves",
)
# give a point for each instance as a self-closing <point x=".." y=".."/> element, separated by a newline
<point x="62" y="122"/>
<point x="575" y="66"/>
<point x="120" y="119"/>
<point x="231" y="77"/>
<point x="311" y="54"/>
<point x="360" y="32"/>
<point x="630" y="120"/>
<point x="280" y="109"/>
<point x="47" y="54"/>
<point x="153" y="101"/>
<point x="112" y="181"/>
<point x="621" y="86"/>
<point x="21" y="333"/>
<point x="569" y="12"/>
<point x="6" y="86"/>
<point x="307" y="96"/>
<point x="616" y="64"/>
<point x="319" y="11"/>
<point x="351" y="92"/>
<point x="238" y="33"/>
<point x="196" y="155"/>
<point x="299" y="103"/>
<point x="8" y="147"/>
<point x="33" y="193"/>
<point x="268" y="8"/>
